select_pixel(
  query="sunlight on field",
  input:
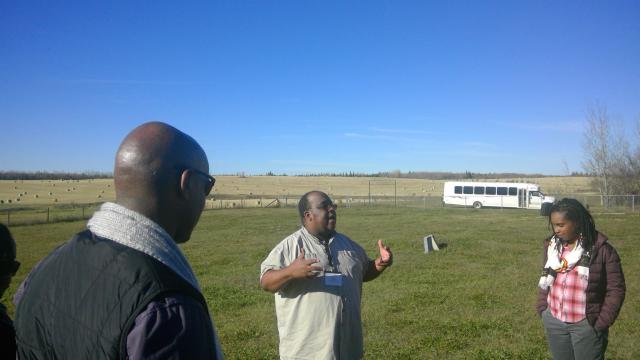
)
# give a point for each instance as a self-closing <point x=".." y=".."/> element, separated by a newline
<point x="473" y="299"/>
<point x="16" y="193"/>
<point x="49" y="192"/>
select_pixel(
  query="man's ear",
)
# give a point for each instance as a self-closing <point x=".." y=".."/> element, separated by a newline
<point x="185" y="184"/>
<point x="307" y="216"/>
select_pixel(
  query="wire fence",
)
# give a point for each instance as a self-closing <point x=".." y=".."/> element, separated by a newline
<point x="73" y="212"/>
<point x="49" y="214"/>
<point x="611" y="203"/>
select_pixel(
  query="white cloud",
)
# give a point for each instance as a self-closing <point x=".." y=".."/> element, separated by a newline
<point x="401" y="131"/>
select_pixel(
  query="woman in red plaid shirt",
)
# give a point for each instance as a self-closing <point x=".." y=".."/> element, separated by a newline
<point x="582" y="285"/>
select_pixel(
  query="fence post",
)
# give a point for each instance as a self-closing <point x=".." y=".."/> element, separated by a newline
<point x="286" y="201"/>
<point x="82" y="212"/>
<point x="8" y="217"/>
<point x="395" y="192"/>
<point x="48" y="214"/>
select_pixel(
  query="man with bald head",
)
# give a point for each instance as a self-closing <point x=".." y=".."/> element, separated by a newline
<point x="122" y="288"/>
<point x="316" y="274"/>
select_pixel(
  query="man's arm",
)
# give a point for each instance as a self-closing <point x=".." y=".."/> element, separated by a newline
<point x="300" y="268"/>
<point x="176" y="326"/>
<point x="377" y="266"/>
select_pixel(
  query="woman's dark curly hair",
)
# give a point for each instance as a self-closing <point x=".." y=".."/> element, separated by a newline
<point x="577" y="213"/>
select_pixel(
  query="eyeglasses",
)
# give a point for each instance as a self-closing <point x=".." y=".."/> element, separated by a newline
<point x="210" y="180"/>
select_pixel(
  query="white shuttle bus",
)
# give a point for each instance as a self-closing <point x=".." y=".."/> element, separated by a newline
<point x="494" y="194"/>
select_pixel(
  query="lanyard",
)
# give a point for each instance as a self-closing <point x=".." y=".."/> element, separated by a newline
<point x="327" y="250"/>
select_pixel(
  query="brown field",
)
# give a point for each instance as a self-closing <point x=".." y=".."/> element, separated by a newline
<point x="20" y="193"/>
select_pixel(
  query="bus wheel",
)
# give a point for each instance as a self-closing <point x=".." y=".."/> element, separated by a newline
<point x="477" y="205"/>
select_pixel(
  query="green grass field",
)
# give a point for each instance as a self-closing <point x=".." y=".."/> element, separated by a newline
<point x="472" y="300"/>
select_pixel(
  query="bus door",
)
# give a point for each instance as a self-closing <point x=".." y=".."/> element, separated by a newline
<point x="522" y="198"/>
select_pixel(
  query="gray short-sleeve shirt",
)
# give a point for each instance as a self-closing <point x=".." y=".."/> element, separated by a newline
<point x="316" y="320"/>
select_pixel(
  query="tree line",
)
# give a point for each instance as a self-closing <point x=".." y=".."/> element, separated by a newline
<point x="427" y="175"/>
<point x="610" y="158"/>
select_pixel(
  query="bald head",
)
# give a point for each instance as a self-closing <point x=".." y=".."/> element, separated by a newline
<point x="149" y="168"/>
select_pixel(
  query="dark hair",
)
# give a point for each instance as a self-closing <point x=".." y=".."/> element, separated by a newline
<point x="7" y="244"/>
<point x="303" y="204"/>
<point x="576" y="212"/>
<point x="8" y="263"/>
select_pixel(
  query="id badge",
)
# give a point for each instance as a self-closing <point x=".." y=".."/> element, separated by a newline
<point x="332" y="279"/>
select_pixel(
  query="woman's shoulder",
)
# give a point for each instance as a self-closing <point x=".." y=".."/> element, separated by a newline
<point x="604" y="248"/>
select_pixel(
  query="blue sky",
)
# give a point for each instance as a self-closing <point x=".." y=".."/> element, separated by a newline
<point x="317" y="86"/>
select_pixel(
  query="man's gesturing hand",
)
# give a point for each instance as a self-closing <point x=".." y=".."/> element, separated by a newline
<point x="303" y="268"/>
<point x="386" y="257"/>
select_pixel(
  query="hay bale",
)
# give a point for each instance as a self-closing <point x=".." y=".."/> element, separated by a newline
<point x="35" y="196"/>
<point x="99" y="196"/>
<point x="1" y="201"/>
<point x="50" y="193"/>
<point x="55" y="200"/>
<point x="9" y="201"/>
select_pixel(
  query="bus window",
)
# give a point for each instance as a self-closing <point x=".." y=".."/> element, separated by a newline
<point x="468" y="189"/>
<point x="513" y="191"/>
<point x="502" y="190"/>
<point x="457" y="190"/>
<point x="491" y="190"/>
<point x="478" y="190"/>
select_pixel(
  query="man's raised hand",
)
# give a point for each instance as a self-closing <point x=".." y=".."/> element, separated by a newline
<point x="386" y="257"/>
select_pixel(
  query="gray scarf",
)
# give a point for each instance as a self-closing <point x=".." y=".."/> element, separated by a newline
<point x="131" y="229"/>
<point x="138" y="232"/>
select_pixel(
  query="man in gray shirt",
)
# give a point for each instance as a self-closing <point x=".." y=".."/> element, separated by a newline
<point x="316" y="274"/>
